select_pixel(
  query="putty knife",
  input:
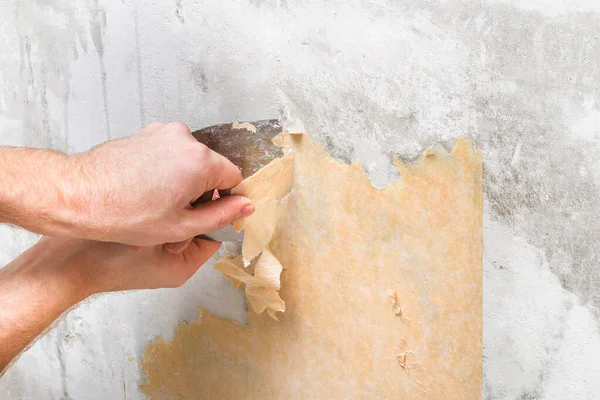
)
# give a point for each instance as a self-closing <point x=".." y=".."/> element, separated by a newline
<point x="248" y="145"/>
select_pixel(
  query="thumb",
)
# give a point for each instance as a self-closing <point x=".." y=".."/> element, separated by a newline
<point x="218" y="213"/>
<point x="191" y="259"/>
<point x="199" y="251"/>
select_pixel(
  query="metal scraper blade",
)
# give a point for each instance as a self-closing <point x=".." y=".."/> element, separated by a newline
<point x="226" y="234"/>
<point x="248" y="145"/>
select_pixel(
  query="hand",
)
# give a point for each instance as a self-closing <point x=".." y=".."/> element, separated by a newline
<point x="55" y="274"/>
<point x="138" y="190"/>
<point x="111" y="267"/>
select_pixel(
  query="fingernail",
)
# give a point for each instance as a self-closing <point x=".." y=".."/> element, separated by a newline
<point x="247" y="210"/>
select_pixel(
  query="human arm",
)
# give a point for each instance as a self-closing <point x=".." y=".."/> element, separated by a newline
<point x="135" y="190"/>
<point x="56" y="274"/>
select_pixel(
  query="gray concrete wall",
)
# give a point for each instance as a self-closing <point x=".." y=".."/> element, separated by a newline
<point x="368" y="79"/>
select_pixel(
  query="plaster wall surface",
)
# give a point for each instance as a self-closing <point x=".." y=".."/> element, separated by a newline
<point x="367" y="79"/>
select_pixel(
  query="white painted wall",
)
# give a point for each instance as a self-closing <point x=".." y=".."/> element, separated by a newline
<point x="368" y="79"/>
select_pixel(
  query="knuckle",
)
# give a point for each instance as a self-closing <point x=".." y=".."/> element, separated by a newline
<point x="154" y="125"/>
<point x="199" y="154"/>
<point x="178" y="127"/>
<point x="202" y="151"/>
<point x="222" y="220"/>
<point x="181" y="197"/>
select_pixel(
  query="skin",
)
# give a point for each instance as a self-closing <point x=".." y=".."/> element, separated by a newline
<point x="136" y="190"/>
<point x="115" y="218"/>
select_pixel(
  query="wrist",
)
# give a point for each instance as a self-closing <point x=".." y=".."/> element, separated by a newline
<point x="66" y="210"/>
<point x="71" y="206"/>
<point x="59" y="263"/>
<point x="43" y="191"/>
<point x="48" y="275"/>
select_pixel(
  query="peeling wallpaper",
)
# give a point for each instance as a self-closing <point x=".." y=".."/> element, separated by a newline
<point x="368" y="80"/>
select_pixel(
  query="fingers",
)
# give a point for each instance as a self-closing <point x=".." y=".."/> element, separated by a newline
<point x="216" y="214"/>
<point x="198" y="252"/>
<point x="187" y="263"/>
<point x="221" y="173"/>
<point x="176" y="248"/>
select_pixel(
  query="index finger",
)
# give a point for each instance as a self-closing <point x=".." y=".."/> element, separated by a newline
<point x="221" y="173"/>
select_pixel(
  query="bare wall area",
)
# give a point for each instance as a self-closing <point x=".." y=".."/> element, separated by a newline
<point x="369" y="80"/>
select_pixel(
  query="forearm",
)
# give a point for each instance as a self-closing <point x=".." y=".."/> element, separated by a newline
<point x="135" y="190"/>
<point x="42" y="191"/>
<point x="35" y="289"/>
<point x="55" y="274"/>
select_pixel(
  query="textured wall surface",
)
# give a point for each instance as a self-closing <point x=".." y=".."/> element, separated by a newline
<point x="368" y="79"/>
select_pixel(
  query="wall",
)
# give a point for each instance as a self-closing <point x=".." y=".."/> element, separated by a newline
<point x="368" y="80"/>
